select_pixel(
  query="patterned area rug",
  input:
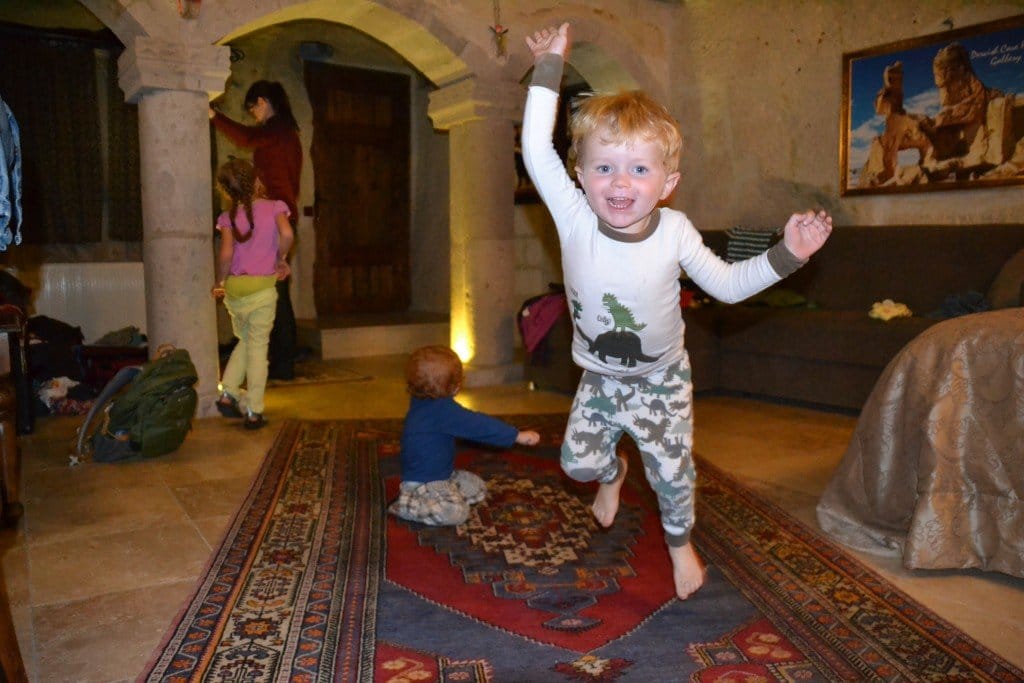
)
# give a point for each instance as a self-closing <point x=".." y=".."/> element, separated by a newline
<point x="314" y="582"/>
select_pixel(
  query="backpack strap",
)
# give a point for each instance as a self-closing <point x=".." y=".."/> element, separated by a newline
<point x="123" y="377"/>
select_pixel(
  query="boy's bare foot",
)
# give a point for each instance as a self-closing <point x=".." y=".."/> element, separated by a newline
<point x="606" y="503"/>
<point x="687" y="570"/>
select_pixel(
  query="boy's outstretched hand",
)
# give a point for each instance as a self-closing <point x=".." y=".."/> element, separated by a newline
<point x="805" y="233"/>
<point x="549" y="40"/>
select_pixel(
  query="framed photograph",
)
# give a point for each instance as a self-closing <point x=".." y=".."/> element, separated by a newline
<point x="939" y="112"/>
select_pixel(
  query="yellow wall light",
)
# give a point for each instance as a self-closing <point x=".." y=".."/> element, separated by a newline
<point x="462" y="343"/>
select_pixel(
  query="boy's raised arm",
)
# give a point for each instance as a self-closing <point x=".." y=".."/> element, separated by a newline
<point x="546" y="169"/>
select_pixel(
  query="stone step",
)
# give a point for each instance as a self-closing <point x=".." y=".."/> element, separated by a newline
<point x="373" y="335"/>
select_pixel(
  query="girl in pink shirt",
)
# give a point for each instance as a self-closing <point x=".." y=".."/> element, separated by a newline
<point x="255" y="237"/>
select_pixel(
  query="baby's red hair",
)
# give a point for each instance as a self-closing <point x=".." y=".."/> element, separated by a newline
<point x="433" y="372"/>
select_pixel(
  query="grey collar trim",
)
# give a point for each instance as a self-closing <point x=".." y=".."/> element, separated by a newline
<point x="617" y="235"/>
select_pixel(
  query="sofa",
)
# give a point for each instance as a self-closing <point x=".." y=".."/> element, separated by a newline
<point x="810" y="339"/>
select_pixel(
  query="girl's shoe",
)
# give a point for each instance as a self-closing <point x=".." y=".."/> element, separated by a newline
<point x="227" y="405"/>
<point x="254" y="421"/>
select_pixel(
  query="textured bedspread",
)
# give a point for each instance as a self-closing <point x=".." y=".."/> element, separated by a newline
<point x="935" y="468"/>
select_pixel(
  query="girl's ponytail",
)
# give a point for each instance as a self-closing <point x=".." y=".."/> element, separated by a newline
<point x="236" y="180"/>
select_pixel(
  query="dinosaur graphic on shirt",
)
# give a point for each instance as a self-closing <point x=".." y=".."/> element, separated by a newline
<point x="621" y="341"/>
<point x="622" y="317"/>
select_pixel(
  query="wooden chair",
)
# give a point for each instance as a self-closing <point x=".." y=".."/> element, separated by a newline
<point x="13" y="327"/>
<point x="12" y="668"/>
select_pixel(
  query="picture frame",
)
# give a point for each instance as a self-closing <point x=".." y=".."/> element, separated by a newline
<point x="939" y="112"/>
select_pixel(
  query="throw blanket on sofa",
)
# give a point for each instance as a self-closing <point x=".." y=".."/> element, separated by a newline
<point x="934" y="468"/>
<point x="747" y="243"/>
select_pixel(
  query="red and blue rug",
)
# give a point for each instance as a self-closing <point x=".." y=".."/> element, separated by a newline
<point x="315" y="582"/>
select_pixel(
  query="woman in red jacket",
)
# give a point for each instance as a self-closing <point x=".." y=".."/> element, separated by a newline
<point x="277" y="157"/>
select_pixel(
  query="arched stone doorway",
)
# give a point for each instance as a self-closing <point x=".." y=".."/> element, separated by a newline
<point x="172" y="66"/>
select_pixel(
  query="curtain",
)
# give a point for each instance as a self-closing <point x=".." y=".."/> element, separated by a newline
<point x="50" y="83"/>
<point x="52" y="90"/>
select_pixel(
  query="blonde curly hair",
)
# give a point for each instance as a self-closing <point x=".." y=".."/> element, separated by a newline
<point x="624" y="117"/>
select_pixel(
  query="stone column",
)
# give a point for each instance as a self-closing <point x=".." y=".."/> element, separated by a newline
<point x="171" y="82"/>
<point x="480" y="117"/>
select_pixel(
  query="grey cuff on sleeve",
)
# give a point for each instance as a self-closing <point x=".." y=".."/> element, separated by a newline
<point x="782" y="260"/>
<point x="547" y="72"/>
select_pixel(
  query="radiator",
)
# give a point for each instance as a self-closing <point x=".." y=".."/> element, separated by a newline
<point x="98" y="297"/>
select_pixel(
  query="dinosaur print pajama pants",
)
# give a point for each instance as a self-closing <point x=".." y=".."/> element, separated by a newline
<point x="656" y="410"/>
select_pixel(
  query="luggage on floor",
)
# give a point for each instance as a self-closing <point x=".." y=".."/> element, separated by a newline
<point x="146" y="411"/>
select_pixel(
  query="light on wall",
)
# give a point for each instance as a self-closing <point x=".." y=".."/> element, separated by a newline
<point x="462" y="341"/>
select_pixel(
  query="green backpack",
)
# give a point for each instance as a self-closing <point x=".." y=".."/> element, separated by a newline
<point x="153" y="413"/>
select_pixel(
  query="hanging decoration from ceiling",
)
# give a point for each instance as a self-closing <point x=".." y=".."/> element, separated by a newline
<point x="189" y="9"/>
<point x="498" y="31"/>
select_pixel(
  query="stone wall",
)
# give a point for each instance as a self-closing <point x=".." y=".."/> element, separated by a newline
<point x="757" y="88"/>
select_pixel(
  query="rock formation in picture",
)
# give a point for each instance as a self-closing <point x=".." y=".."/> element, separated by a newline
<point x="972" y="137"/>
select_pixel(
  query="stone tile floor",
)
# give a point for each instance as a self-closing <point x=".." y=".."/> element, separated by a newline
<point x="106" y="555"/>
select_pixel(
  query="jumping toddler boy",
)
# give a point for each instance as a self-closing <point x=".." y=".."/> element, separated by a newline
<point x="622" y="257"/>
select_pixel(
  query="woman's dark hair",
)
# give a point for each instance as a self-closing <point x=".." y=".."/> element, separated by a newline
<point x="236" y="180"/>
<point x="273" y="92"/>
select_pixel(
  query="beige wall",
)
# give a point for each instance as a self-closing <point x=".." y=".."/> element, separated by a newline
<point x="756" y="86"/>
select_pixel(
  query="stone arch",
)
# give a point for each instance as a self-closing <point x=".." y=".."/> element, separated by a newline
<point x="600" y="55"/>
<point x="421" y="37"/>
<point x="443" y="51"/>
<point x="172" y="64"/>
<point x="415" y="32"/>
<point x="127" y="21"/>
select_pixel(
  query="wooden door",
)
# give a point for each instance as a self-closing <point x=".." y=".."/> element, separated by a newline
<point x="360" y="155"/>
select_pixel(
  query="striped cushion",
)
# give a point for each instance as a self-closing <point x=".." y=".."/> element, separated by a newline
<point x="746" y="243"/>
